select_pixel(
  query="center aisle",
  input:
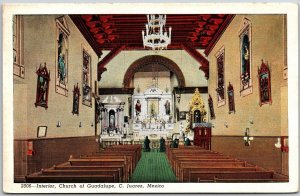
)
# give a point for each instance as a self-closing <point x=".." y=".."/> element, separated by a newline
<point x="153" y="167"/>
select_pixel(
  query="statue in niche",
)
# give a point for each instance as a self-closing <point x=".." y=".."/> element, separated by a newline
<point x="152" y="110"/>
<point x="167" y="107"/>
<point x="111" y="119"/>
<point x="138" y="107"/>
<point x="197" y="116"/>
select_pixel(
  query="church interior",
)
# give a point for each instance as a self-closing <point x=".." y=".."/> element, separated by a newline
<point x="150" y="98"/>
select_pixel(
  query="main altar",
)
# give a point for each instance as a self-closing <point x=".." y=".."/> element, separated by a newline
<point x="152" y="114"/>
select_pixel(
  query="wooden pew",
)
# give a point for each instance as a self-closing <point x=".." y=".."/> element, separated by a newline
<point x="196" y="176"/>
<point x="101" y="162"/>
<point x="131" y="155"/>
<point x="199" y="165"/>
<point x="195" y="152"/>
<point x="184" y="172"/>
<point x="129" y="162"/>
<point x="120" y="168"/>
<point x="137" y="148"/>
<point x="70" y="178"/>
<point x="209" y="164"/>
<point x="198" y="157"/>
<point x="114" y="164"/>
<point x="250" y="180"/>
<point x="114" y="172"/>
<point x="200" y="161"/>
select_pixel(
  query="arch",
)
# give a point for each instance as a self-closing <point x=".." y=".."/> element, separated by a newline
<point x="148" y="60"/>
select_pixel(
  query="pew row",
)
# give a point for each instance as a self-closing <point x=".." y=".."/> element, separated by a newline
<point x="114" y="164"/>
<point x="195" y="164"/>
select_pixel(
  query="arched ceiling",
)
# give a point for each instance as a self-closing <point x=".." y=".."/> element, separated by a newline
<point x="106" y="32"/>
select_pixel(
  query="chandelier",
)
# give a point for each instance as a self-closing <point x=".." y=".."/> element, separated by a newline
<point x="156" y="35"/>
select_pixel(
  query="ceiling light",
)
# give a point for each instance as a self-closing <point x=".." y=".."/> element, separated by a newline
<point x="156" y="36"/>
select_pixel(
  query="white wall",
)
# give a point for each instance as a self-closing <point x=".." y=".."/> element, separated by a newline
<point x="267" y="44"/>
<point x="118" y="66"/>
<point x="39" y="47"/>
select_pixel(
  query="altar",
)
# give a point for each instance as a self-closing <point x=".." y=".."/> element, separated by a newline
<point x="152" y="114"/>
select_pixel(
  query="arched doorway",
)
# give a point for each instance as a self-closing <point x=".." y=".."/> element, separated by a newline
<point x="148" y="61"/>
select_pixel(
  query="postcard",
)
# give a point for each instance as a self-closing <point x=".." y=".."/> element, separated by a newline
<point x="150" y="98"/>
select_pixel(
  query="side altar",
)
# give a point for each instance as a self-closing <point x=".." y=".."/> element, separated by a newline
<point x="152" y="114"/>
<point x="197" y="122"/>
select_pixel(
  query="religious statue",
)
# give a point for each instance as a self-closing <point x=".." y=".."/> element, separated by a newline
<point x="167" y="107"/>
<point x="245" y="60"/>
<point x="197" y="116"/>
<point x="181" y="129"/>
<point x="162" y="145"/>
<point x="152" y="110"/>
<point x="146" y="144"/>
<point x="138" y="106"/>
<point x="61" y="68"/>
<point x="42" y="86"/>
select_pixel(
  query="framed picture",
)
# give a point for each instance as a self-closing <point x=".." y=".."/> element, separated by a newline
<point x="182" y="115"/>
<point x="62" y="48"/>
<point x="86" y="78"/>
<point x="246" y="57"/>
<point x="220" y="57"/>
<point x="41" y="131"/>
<point x="264" y="77"/>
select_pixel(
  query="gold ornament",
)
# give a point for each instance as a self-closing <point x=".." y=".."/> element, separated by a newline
<point x="197" y="104"/>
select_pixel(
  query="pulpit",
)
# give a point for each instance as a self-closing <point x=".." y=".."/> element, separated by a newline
<point x="202" y="135"/>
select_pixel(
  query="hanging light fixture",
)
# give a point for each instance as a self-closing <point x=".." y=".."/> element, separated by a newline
<point x="156" y="36"/>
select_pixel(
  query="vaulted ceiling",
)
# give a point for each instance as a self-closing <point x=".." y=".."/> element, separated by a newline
<point x="106" y="32"/>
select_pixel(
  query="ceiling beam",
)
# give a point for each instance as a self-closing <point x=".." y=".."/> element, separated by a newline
<point x="107" y="58"/>
<point x="219" y="33"/>
<point x="86" y="33"/>
<point x="198" y="56"/>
